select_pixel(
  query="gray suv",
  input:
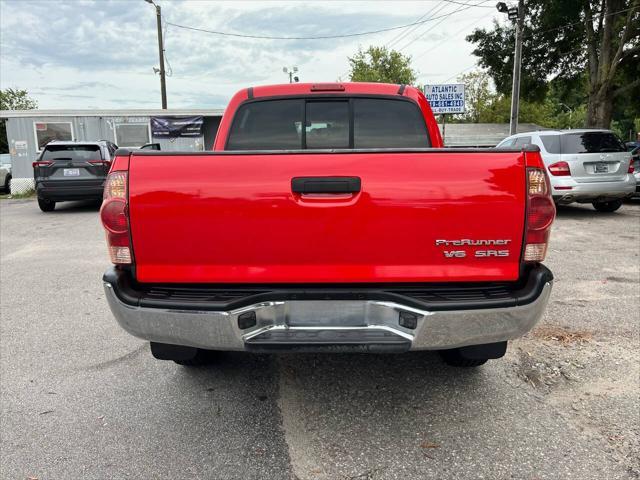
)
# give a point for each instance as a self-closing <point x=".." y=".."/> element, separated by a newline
<point x="585" y="166"/>
<point x="71" y="171"/>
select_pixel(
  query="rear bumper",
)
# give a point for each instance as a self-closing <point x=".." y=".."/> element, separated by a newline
<point x="78" y="191"/>
<point x="324" y="319"/>
<point x="591" y="191"/>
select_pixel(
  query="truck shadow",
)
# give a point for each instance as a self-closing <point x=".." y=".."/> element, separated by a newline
<point x="351" y="386"/>
<point x="344" y="409"/>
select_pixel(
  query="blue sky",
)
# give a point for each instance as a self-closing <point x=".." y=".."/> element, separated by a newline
<point x="101" y="53"/>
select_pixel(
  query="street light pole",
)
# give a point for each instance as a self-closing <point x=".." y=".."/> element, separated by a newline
<point x="163" y="82"/>
<point x="291" y="71"/>
<point x="517" y="61"/>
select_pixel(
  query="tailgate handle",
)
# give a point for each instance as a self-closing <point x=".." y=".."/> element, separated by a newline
<point x="338" y="185"/>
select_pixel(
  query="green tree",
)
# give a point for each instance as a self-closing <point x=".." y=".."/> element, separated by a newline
<point x="484" y="105"/>
<point x="572" y="41"/>
<point x="13" y="99"/>
<point x="478" y="95"/>
<point x="379" y="64"/>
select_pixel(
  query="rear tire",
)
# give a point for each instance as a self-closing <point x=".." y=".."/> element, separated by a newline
<point x="454" y="359"/>
<point x="7" y="184"/>
<point x="473" y="355"/>
<point x="187" y="356"/>
<point x="202" y="357"/>
<point x="607" y="207"/>
<point x="46" y="205"/>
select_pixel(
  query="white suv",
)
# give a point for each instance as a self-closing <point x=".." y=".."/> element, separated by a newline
<point x="585" y="166"/>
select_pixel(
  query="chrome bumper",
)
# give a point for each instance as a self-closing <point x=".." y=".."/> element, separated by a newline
<point x="296" y="323"/>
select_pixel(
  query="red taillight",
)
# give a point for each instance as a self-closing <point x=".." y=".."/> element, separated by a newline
<point x="42" y="163"/>
<point x="540" y="214"/>
<point x="560" y="169"/>
<point x="631" y="169"/>
<point x="99" y="162"/>
<point x="115" y="218"/>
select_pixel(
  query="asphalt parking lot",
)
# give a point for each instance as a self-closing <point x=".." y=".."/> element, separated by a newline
<point x="80" y="398"/>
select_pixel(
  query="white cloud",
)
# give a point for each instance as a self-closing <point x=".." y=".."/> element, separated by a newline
<point x="80" y="54"/>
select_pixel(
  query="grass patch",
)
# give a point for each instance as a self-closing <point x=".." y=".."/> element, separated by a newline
<point x="28" y="194"/>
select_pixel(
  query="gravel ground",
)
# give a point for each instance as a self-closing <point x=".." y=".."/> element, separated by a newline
<point x="80" y="398"/>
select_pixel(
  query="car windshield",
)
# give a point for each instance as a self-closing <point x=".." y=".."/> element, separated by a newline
<point x="590" y="142"/>
<point x="72" y="152"/>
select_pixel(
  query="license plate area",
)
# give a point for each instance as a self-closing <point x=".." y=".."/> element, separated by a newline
<point x="319" y="314"/>
<point x="601" y="167"/>
<point x="71" y="172"/>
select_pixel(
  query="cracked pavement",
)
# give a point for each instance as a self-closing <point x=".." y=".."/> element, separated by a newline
<point x="80" y="398"/>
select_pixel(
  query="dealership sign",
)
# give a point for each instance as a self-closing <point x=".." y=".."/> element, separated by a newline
<point x="173" y="127"/>
<point x="445" y="98"/>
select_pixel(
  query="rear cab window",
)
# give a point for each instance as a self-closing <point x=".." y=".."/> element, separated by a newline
<point x="71" y="152"/>
<point x="329" y="123"/>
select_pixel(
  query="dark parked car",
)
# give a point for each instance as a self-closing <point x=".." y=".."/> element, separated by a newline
<point x="71" y="171"/>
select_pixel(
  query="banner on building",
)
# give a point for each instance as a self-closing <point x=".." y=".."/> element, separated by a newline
<point x="174" y="127"/>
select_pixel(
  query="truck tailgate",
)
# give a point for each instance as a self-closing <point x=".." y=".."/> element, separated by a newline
<point x="232" y="217"/>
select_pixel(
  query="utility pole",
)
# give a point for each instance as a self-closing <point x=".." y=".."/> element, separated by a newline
<point x="163" y="82"/>
<point x="517" y="61"/>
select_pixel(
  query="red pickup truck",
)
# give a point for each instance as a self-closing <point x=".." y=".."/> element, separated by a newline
<point x="328" y="217"/>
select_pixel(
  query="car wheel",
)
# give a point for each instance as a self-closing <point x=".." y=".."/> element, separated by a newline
<point x="453" y="358"/>
<point x="202" y="357"/>
<point x="610" y="206"/>
<point x="7" y="184"/>
<point x="46" y="205"/>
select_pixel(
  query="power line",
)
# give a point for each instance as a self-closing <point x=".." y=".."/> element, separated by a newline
<point x="460" y="3"/>
<point x="475" y="20"/>
<point x="459" y="9"/>
<point x="319" y="37"/>
<point x="438" y="6"/>
<point x="546" y="31"/>
<point x="441" y="7"/>
<point x="461" y="71"/>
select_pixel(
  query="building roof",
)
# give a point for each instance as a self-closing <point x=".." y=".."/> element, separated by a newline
<point x="207" y="112"/>
<point x="481" y="134"/>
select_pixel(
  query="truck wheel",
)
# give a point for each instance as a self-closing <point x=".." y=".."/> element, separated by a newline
<point x="454" y="359"/>
<point x="46" y="205"/>
<point x="202" y="357"/>
<point x="473" y="355"/>
<point x="610" y="206"/>
<point x="7" y="184"/>
<point x="187" y="356"/>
